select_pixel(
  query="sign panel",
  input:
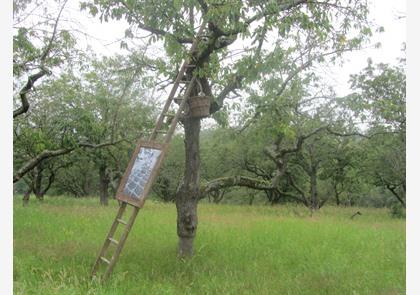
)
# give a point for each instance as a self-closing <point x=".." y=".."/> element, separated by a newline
<point x="140" y="174"/>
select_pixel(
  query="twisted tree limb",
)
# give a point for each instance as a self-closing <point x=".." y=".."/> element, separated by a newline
<point x="23" y="92"/>
<point x="225" y="182"/>
<point x="46" y="154"/>
<point x="244" y="181"/>
<point x="43" y="71"/>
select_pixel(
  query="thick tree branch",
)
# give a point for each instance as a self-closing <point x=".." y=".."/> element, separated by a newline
<point x="243" y="181"/>
<point x="394" y="192"/>
<point x="46" y="154"/>
<point x="43" y="71"/>
<point x="296" y="187"/>
<point x="23" y="92"/>
<point x="392" y="188"/>
<point x="234" y="84"/>
<point x="275" y="155"/>
<point x="236" y="81"/>
<point x="51" y="179"/>
<point x="258" y="171"/>
<point x="224" y="182"/>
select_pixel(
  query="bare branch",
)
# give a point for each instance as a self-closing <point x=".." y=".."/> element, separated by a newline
<point x="265" y="13"/>
<point x="50" y="42"/>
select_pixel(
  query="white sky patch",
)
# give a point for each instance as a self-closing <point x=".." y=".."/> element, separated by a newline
<point x="384" y="13"/>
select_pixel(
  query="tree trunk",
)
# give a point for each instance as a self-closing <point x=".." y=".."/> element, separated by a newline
<point x="337" y="195"/>
<point x="37" y="188"/>
<point x="394" y="192"/>
<point x="189" y="191"/>
<point x="314" y="190"/>
<point x="103" y="186"/>
<point x="251" y="200"/>
<point x="26" y="197"/>
<point x="40" y="196"/>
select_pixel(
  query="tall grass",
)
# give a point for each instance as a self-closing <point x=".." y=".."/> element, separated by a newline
<point x="238" y="250"/>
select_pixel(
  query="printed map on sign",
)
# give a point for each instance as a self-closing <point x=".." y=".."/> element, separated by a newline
<point x="141" y="171"/>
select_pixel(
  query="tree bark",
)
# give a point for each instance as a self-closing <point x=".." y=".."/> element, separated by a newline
<point x="238" y="180"/>
<point x="337" y="195"/>
<point x="314" y="190"/>
<point x="46" y="154"/>
<point x="188" y="193"/>
<point x="394" y="192"/>
<point x="251" y="200"/>
<point x="103" y="185"/>
<point x="26" y="197"/>
<point x="37" y="188"/>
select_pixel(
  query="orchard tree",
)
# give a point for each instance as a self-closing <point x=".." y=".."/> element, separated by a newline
<point x="379" y="101"/>
<point x="114" y="93"/>
<point x="270" y="35"/>
<point x="40" y="46"/>
<point x="343" y="172"/>
<point x="58" y="124"/>
<point x="104" y="104"/>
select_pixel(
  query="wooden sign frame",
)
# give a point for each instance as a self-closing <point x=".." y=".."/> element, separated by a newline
<point x="121" y="195"/>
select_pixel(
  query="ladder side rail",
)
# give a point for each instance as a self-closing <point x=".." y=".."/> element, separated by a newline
<point x="110" y="234"/>
<point x="171" y="130"/>
<point x="121" y="242"/>
<point x="168" y="102"/>
<point x="176" y="84"/>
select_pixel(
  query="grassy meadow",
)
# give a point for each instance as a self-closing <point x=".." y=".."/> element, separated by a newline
<point x="239" y="250"/>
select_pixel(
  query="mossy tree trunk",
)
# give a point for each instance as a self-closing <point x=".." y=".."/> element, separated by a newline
<point x="188" y="193"/>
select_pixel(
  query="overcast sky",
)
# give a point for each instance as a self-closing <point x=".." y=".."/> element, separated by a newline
<point x="386" y="13"/>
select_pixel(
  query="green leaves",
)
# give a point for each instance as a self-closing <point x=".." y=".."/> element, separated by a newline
<point x="380" y="95"/>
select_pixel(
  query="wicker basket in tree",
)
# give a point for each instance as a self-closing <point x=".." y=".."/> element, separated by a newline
<point x="199" y="106"/>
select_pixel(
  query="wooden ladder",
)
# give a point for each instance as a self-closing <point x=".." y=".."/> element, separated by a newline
<point x="168" y="134"/>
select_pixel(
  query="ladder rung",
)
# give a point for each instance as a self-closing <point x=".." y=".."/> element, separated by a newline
<point x="161" y="131"/>
<point x="113" y="241"/>
<point x="121" y="221"/>
<point x="185" y="81"/>
<point x="105" y="260"/>
<point x="190" y="66"/>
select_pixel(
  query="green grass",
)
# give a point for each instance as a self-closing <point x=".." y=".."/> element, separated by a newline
<point x="239" y="250"/>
